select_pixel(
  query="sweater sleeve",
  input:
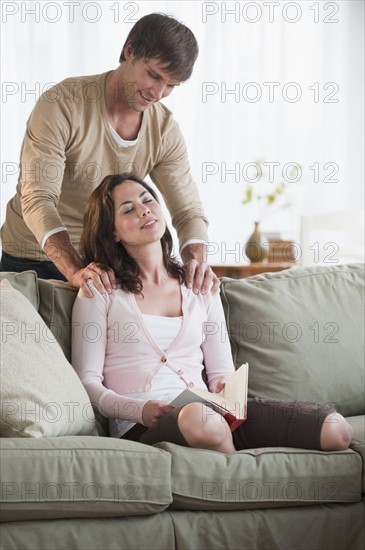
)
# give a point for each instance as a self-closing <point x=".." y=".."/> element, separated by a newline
<point x="43" y="161"/>
<point x="89" y="347"/>
<point x="173" y="178"/>
<point x="216" y="346"/>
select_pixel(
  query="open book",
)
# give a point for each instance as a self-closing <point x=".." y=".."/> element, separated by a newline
<point x="231" y="402"/>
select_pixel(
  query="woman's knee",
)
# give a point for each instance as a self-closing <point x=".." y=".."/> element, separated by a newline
<point x="336" y="433"/>
<point x="201" y="426"/>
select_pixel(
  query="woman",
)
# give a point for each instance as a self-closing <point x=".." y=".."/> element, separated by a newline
<point x="137" y="348"/>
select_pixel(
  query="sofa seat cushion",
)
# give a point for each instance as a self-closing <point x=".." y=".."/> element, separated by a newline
<point x="302" y="333"/>
<point x="262" y="478"/>
<point x="78" y="477"/>
<point x="358" y="440"/>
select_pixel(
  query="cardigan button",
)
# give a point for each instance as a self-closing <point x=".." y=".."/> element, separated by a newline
<point x="190" y="385"/>
<point x="164" y="359"/>
<point x="180" y="372"/>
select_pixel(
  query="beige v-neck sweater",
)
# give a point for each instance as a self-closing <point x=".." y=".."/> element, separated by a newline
<point x="68" y="149"/>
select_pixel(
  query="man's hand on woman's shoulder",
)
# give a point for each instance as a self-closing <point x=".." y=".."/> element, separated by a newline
<point x="199" y="275"/>
<point x="104" y="281"/>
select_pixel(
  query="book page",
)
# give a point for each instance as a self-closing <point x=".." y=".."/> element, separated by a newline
<point x="233" y="399"/>
<point x="235" y="389"/>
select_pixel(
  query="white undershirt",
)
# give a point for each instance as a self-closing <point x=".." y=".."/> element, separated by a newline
<point x="166" y="384"/>
<point x="120" y="141"/>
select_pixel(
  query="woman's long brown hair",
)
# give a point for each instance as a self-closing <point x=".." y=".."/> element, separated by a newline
<point x="97" y="240"/>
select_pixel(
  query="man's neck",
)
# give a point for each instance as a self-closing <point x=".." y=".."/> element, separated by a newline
<point x="125" y="121"/>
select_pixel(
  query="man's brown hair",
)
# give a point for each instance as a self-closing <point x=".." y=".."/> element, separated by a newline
<point x="163" y="37"/>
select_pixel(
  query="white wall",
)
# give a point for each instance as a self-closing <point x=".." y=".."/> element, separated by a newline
<point x="315" y="48"/>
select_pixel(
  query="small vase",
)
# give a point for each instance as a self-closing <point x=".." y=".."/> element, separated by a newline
<point x="257" y="246"/>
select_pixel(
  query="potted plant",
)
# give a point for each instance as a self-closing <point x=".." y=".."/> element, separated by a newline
<point x="266" y="197"/>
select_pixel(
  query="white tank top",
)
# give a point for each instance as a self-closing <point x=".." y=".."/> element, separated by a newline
<point x="166" y="384"/>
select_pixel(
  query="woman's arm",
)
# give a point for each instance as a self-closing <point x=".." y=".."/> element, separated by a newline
<point x="89" y="345"/>
<point x="216" y="346"/>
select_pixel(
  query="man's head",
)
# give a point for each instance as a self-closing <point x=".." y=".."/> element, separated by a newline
<point x="161" y="37"/>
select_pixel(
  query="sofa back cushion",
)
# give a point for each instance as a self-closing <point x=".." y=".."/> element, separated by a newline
<point x="55" y="307"/>
<point x="54" y="300"/>
<point x="41" y="395"/>
<point x="26" y="282"/>
<point x="302" y="333"/>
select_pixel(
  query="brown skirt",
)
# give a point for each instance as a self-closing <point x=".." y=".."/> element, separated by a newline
<point x="269" y="423"/>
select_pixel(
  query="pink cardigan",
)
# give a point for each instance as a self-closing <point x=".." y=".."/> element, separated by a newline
<point x="114" y="354"/>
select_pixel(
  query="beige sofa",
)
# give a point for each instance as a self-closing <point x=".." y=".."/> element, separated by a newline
<point x="302" y="333"/>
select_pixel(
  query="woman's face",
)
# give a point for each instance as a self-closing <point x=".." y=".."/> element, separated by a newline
<point x="138" y="218"/>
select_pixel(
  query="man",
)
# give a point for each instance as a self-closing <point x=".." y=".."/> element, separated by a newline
<point x="88" y="127"/>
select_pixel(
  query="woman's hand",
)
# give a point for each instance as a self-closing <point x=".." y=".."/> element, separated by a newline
<point x="220" y="385"/>
<point x="103" y="280"/>
<point x="152" y="412"/>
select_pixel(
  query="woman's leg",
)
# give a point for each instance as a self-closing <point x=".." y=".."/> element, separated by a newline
<point x="192" y="425"/>
<point x="269" y="424"/>
<point x="205" y="429"/>
<point x="298" y="424"/>
<point x="336" y="433"/>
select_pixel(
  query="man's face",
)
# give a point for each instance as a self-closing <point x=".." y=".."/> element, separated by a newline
<point x="145" y="81"/>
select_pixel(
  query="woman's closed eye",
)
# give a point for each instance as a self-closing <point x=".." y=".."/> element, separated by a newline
<point x="125" y="209"/>
<point x="131" y="208"/>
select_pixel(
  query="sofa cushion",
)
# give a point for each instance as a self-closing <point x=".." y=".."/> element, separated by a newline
<point x="357" y="424"/>
<point x="322" y="527"/>
<point x="302" y="333"/>
<point x="78" y="477"/>
<point x="41" y="395"/>
<point x="129" y="533"/>
<point x="56" y="302"/>
<point x="329" y="527"/>
<point x="262" y="478"/>
<point x="25" y="282"/>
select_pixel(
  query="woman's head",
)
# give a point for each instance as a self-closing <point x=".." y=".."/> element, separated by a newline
<point x="138" y="218"/>
<point x="123" y="213"/>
